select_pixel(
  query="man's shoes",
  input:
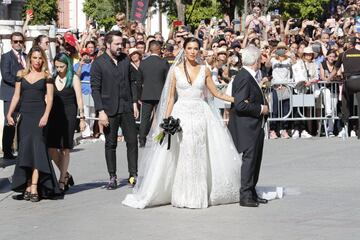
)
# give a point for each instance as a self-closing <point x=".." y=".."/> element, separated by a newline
<point x="142" y="143"/>
<point x="132" y="180"/>
<point x="112" y="185"/>
<point x="9" y="156"/>
<point x="261" y="200"/>
<point x="249" y="203"/>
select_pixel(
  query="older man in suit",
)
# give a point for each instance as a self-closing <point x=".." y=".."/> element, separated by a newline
<point x="153" y="71"/>
<point x="11" y="63"/>
<point x="246" y="124"/>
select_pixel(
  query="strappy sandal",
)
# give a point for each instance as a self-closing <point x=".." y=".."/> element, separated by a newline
<point x="34" y="197"/>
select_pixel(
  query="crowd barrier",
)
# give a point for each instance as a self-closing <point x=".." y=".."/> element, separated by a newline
<point x="289" y="101"/>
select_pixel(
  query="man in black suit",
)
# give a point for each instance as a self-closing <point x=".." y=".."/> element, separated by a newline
<point x="114" y="95"/>
<point x="153" y="71"/>
<point x="246" y="124"/>
<point x="11" y="63"/>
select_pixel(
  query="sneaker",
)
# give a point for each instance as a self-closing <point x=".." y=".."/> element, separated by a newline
<point x="273" y="135"/>
<point x="295" y="134"/>
<point x="284" y="134"/>
<point x="352" y="133"/>
<point x="132" y="180"/>
<point x="331" y="134"/>
<point x="342" y="133"/>
<point x="305" y="134"/>
<point x="112" y="183"/>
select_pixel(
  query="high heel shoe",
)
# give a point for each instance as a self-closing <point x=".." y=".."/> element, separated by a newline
<point x="70" y="179"/>
<point x="64" y="186"/>
<point x="26" y="196"/>
<point x="34" y="197"/>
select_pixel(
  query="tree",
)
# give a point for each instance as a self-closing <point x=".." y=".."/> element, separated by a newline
<point x="306" y="9"/>
<point x="103" y="12"/>
<point x="44" y="11"/>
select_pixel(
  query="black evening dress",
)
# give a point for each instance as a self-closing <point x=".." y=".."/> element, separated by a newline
<point x="33" y="153"/>
<point x="62" y="119"/>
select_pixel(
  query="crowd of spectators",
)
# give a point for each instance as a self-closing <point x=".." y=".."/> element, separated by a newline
<point x="293" y="51"/>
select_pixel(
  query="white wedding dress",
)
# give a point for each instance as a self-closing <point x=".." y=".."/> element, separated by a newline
<point x="201" y="168"/>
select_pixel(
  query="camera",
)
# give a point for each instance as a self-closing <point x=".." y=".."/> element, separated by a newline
<point x="87" y="60"/>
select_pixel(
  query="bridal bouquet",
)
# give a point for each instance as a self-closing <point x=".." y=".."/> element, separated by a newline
<point x="170" y="126"/>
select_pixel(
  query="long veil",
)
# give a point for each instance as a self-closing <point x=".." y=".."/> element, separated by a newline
<point x="157" y="165"/>
<point x="152" y="146"/>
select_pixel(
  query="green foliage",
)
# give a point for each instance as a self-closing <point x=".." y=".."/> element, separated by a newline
<point x="44" y="11"/>
<point x="103" y="12"/>
<point x="306" y="9"/>
<point x="202" y="10"/>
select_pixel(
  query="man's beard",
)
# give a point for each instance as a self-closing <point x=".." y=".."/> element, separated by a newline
<point x="115" y="53"/>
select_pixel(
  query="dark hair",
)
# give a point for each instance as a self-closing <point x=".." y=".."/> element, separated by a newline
<point x="140" y="43"/>
<point x="190" y="40"/>
<point x="109" y="36"/>
<point x="64" y="58"/>
<point x="154" y="43"/>
<point x="90" y="42"/>
<point x="187" y="41"/>
<point x="38" y="39"/>
<point x="125" y="41"/>
<point x="16" y="34"/>
<point x="332" y="51"/>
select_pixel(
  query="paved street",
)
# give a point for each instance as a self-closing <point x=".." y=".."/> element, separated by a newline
<point x="321" y="177"/>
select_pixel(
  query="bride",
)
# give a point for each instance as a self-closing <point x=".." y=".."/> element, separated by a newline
<point x="202" y="167"/>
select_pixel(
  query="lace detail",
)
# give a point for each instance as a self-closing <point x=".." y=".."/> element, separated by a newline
<point x="202" y="167"/>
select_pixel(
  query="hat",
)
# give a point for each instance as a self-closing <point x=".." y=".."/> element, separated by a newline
<point x="70" y="39"/>
<point x="133" y="51"/>
<point x="84" y="51"/>
<point x="308" y="50"/>
<point x="222" y="50"/>
<point x="282" y="45"/>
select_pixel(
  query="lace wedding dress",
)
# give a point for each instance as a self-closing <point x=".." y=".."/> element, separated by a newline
<point x="201" y="168"/>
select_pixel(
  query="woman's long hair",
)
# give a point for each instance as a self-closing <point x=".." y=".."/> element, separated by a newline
<point x="44" y="67"/>
<point x="187" y="41"/>
<point x="64" y="58"/>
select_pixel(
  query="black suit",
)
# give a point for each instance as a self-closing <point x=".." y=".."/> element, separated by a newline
<point x="114" y="92"/>
<point x="153" y="71"/>
<point x="246" y="126"/>
<point x="9" y="68"/>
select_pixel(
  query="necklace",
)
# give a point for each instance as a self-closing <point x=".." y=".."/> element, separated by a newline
<point x="61" y="80"/>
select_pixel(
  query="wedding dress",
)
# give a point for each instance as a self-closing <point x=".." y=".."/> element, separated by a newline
<point x="201" y="168"/>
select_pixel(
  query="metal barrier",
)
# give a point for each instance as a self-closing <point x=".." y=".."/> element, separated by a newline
<point x="297" y="102"/>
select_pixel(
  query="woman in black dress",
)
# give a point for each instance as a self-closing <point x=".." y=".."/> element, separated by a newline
<point x="62" y="120"/>
<point x="34" y="175"/>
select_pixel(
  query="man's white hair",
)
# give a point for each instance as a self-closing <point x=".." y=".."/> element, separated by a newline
<point x="250" y="55"/>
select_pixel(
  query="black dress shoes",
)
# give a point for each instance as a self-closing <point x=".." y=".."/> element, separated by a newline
<point x="261" y="200"/>
<point x="9" y="157"/>
<point x="142" y="143"/>
<point x="249" y="203"/>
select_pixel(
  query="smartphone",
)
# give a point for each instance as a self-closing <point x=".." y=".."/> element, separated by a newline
<point x="177" y="23"/>
<point x="276" y="11"/>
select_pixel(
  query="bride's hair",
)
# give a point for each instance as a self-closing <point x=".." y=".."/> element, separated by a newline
<point x="187" y="41"/>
